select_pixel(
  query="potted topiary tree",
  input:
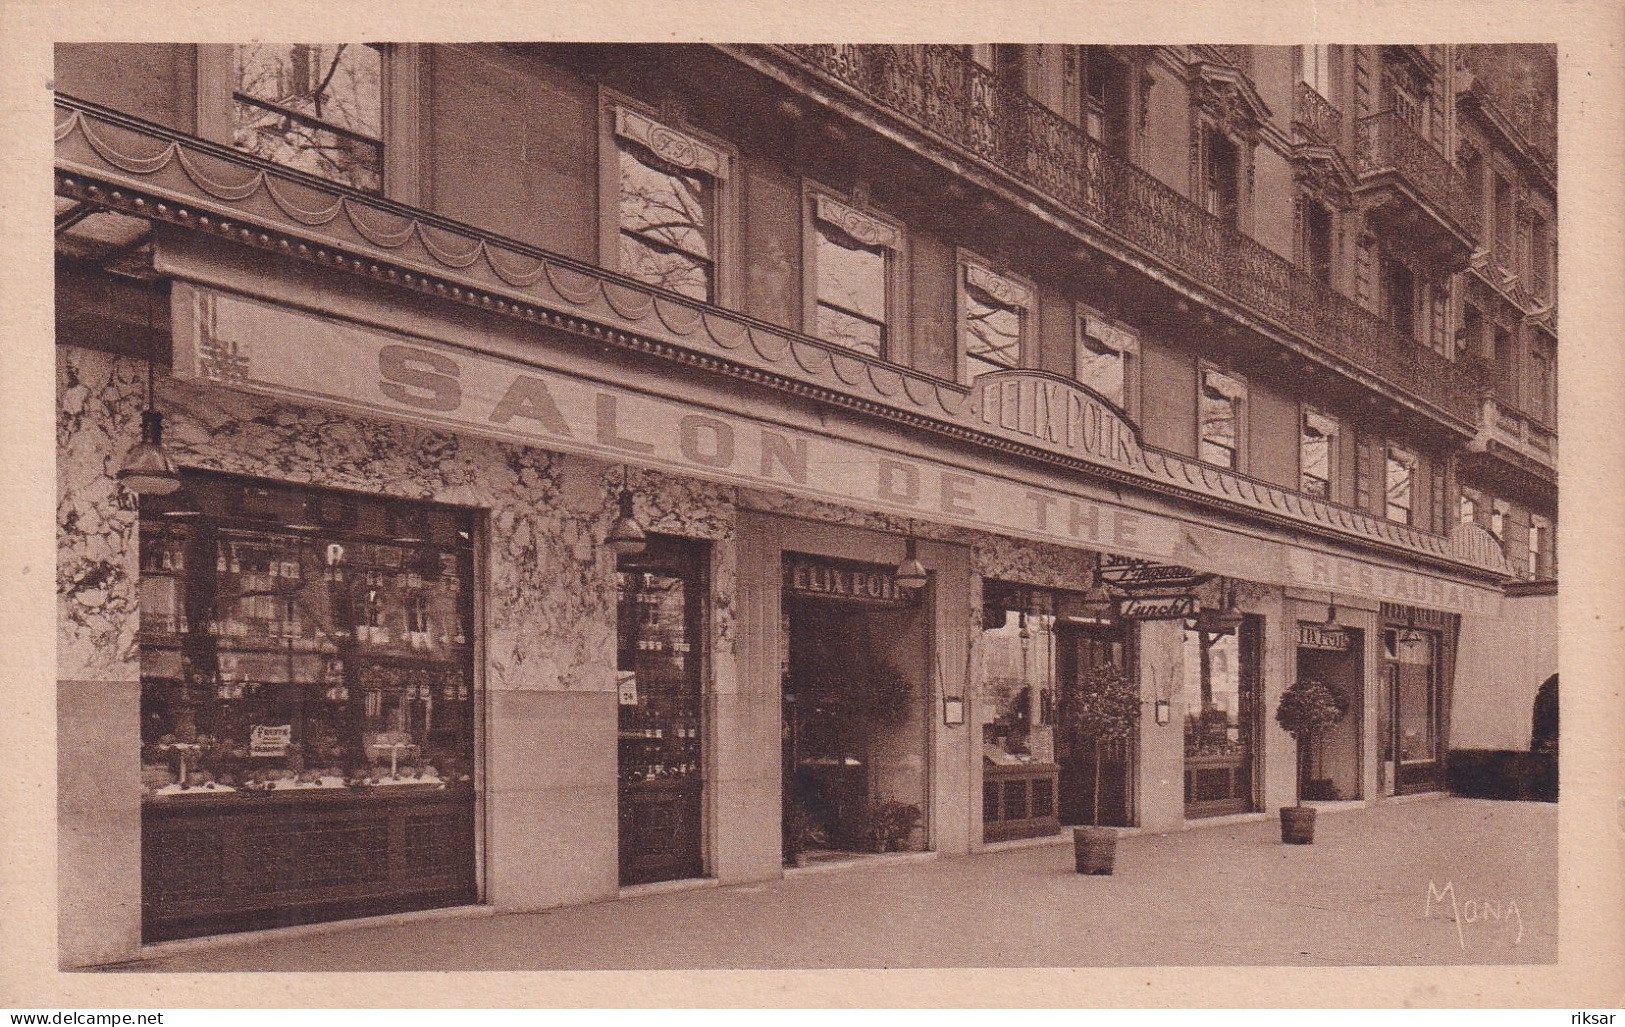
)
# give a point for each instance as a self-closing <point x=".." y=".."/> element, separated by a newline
<point x="1108" y="712"/>
<point x="1307" y="709"/>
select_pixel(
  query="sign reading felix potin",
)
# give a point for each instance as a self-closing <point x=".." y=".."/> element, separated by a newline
<point x="842" y="579"/>
<point x="1054" y="414"/>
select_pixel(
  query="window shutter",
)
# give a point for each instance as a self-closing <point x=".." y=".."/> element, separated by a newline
<point x="1362" y="471"/>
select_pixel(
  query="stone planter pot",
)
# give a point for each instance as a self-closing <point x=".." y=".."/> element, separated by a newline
<point x="1297" y="825"/>
<point x="1095" y="849"/>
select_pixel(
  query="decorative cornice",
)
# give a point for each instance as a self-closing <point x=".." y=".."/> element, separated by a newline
<point x="146" y="171"/>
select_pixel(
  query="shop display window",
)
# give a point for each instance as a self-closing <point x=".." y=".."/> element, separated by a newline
<point x="1222" y="674"/>
<point x="660" y="660"/>
<point x="301" y="648"/>
<point x="1018" y="677"/>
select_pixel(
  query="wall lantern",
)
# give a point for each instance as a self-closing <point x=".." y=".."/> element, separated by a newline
<point x="910" y="574"/>
<point x="626" y="537"/>
<point x="1410" y="636"/>
<point x="1098" y="601"/>
<point x="953" y="710"/>
<point x="1331" y="611"/>
<point x="147" y="469"/>
<point x="1224" y="620"/>
<point x="1165" y="711"/>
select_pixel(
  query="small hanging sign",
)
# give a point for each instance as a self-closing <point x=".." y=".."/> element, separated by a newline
<point x="872" y="584"/>
<point x="1132" y="574"/>
<point x="626" y="686"/>
<point x="1159" y="607"/>
<point x="270" y="739"/>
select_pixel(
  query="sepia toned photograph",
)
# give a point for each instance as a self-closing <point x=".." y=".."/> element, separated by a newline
<point x="713" y="506"/>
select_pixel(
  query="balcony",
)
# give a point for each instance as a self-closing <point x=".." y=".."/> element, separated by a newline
<point x="1515" y="441"/>
<point x="957" y="103"/>
<point x="1316" y="117"/>
<point x="1412" y="192"/>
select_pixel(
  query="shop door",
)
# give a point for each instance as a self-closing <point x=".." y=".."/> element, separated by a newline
<point x="1084" y="653"/>
<point x="1410" y="721"/>
<point x="854" y="726"/>
<point x="1329" y="768"/>
<point x="660" y="664"/>
<point x="1221" y="726"/>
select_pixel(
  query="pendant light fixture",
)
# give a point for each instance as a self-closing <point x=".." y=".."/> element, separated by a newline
<point x="1331" y="611"/>
<point x="147" y="469"/>
<point x="626" y="537"/>
<point x="1098" y="601"/>
<point x="1410" y="636"/>
<point x="910" y="574"/>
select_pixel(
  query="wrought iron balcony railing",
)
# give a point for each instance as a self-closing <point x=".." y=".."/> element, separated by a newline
<point x="940" y="92"/>
<point x="1317" y="116"/>
<point x="1389" y="143"/>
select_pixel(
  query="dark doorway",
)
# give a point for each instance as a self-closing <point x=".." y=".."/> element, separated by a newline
<point x="1330" y="768"/>
<point x="1083" y="653"/>
<point x="854" y="728"/>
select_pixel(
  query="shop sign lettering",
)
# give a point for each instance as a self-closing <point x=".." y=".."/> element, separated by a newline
<point x="269" y="739"/>
<point x="1389" y="584"/>
<point x="1314" y="636"/>
<point x="290" y="354"/>
<point x="1054" y="414"/>
<point x="1129" y="573"/>
<point x="1164" y="607"/>
<point x="861" y="583"/>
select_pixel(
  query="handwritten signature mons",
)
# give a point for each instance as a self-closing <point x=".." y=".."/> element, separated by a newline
<point x="1472" y="911"/>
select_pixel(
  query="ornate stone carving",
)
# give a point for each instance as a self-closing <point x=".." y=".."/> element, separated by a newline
<point x="670" y="145"/>
<point x="1007" y="292"/>
<point x="860" y="226"/>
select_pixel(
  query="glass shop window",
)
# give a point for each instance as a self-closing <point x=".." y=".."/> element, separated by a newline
<point x="660" y="657"/>
<point x="1018" y="676"/>
<point x="307" y="681"/>
<point x="317" y="108"/>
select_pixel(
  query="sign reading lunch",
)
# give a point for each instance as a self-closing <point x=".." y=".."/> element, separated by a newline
<point x="283" y="352"/>
<point x="1049" y="412"/>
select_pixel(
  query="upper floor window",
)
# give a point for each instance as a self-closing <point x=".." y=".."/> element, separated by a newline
<point x="1221" y="176"/>
<point x="318" y="108"/>
<point x="1468" y="511"/>
<point x="665" y="192"/>
<point x="994" y="312"/>
<point x="1540" y="257"/>
<point x="1104" y="102"/>
<point x="1316" y="241"/>
<point x="1499" y="509"/>
<point x="1317" y="453"/>
<point x="1315" y="67"/>
<point x="1106" y="355"/>
<point x="1540" y="384"/>
<point x="1401" y="482"/>
<point x="1506" y="368"/>
<point x="1219" y="417"/>
<point x="1505" y="221"/>
<point x="1540" y="547"/>
<point x="853" y="260"/>
<point x="1399" y="297"/>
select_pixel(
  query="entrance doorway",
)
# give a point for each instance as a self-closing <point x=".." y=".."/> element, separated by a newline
<point x="1084" y="656"/>
<point x="1409" y="720"/>
<point x="1336" y="658"/>
<point x="854" y="724"/>
<point x="1222" y="724"/>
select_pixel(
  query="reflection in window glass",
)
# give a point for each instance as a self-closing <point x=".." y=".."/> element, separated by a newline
<point x="1316" y="454"/>
<point x="1218" y="413"/>
<point x="1213" y="716"/>
<point x="315" y="108"/>
<point x="666" y="218"/>
<point x="1103" y="370"/>
<point x="992" y="334"/>
<point x="1401" y="471"/>
<point x="1018" y="673"/>
<point x="851" y="281"/>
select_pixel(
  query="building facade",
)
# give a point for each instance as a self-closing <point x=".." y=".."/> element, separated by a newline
<point x="601" y="465"/>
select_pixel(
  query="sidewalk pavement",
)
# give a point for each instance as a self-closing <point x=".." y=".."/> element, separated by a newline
<point x="1231" y="895"/>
